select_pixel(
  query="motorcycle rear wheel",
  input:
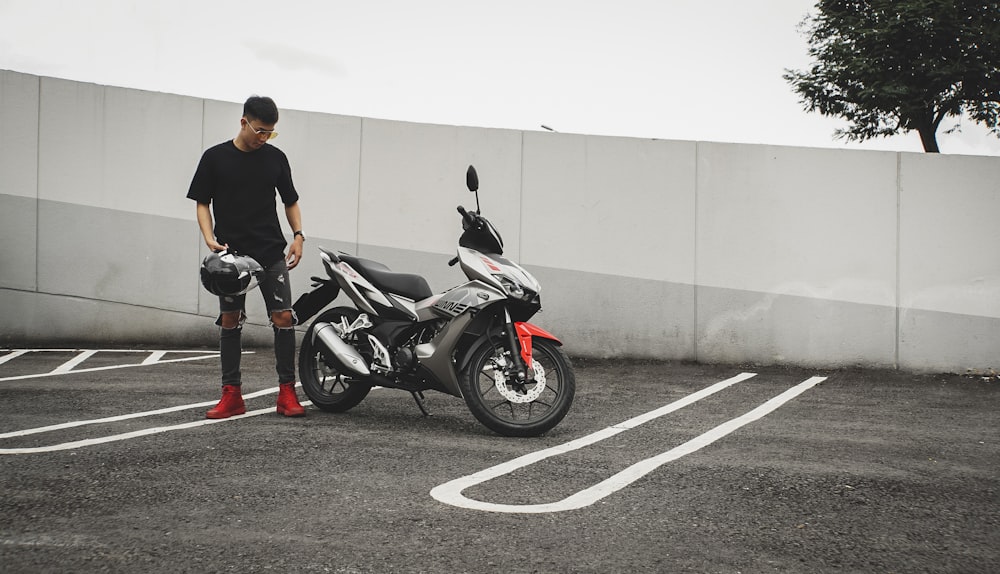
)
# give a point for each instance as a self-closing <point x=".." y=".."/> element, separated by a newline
<point x="327" y="385"/>
<point x="511" y="409"/>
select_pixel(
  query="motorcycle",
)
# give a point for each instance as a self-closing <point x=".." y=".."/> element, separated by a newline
<point x="472" y="341"/>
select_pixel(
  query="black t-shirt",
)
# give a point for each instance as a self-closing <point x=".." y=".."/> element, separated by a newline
<point x="241" y="188"/>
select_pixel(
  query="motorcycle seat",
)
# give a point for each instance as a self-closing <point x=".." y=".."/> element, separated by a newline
<point x="413" y="286"/>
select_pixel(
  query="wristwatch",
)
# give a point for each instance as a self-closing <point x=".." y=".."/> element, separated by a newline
<point x="299" y="233"/>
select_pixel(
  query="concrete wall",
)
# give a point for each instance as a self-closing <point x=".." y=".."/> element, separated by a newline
<point x="660" y="249"/>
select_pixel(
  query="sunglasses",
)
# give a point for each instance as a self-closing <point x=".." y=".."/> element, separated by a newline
<point x="270" y="134"/>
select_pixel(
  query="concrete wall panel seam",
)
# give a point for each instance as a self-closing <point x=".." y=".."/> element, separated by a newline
<point x="899" y="203"/>
<point x="696" y="259"/>
<point x="38" y="176"/>
<point x="360" y="186"/>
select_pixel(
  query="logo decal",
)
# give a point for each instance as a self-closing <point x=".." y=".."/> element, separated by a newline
<point x="453" y="308"/>
<point x="347" y="270"/>
<point x="490" y="264"/>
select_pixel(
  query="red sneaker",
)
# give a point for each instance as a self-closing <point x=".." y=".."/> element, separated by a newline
<point x="231" y="404"/>
<point x="288" y="403"/>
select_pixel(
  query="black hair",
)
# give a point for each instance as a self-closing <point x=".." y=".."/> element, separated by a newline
<point x="261" y="108"/>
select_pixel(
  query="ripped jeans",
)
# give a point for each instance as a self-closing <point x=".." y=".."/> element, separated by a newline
<point x="277" y="293"/>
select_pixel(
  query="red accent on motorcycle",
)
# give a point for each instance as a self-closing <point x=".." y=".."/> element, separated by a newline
<point x="490" y="264"/>
<point x="525" y="331"/>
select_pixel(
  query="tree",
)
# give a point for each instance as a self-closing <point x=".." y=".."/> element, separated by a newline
<point x="892" y="66"/>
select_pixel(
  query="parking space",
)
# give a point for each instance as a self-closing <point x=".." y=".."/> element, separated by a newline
<point x="107" y="464"/>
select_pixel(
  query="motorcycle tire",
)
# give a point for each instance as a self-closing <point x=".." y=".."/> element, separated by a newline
<point x="518" y="410"/>
<point x="327" y="385"/>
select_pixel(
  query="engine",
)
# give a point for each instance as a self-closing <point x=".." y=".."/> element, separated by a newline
<point x="405" y="359"/>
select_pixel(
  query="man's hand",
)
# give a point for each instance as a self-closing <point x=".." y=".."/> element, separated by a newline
<point x="294" y="253"/>
<point x="294" y="216"/>
<point x="207" y="231"/>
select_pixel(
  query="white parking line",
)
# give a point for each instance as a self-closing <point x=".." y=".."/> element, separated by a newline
<point x="12" y="355"/>
<point x="133" y="434"/>
<point x="128" y="435"/>
<point x="153" y="358"/>
<point x="117" y="418"/>
<point x="451" y="492"/>
<point x="68" y="365"/>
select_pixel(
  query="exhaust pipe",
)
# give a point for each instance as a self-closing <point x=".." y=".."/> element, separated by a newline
<point x="333" y="347"/>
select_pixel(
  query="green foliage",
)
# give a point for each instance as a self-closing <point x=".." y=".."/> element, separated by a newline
<point x="892" y="66"/>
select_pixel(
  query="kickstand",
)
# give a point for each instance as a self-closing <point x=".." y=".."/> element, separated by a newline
<point x="419" y="398"/>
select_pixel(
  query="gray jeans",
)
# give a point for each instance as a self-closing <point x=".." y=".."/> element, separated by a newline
<point x="277" y="293"/>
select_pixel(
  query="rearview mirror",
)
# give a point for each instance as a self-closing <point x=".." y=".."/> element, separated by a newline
<point x="472" y="179"/>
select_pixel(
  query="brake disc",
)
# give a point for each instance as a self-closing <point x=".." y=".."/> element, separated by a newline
<point x="513" y="395"/>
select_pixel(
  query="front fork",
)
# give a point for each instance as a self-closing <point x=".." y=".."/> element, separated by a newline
<point x="519" y="336"/>
<point x="520" y="347"/>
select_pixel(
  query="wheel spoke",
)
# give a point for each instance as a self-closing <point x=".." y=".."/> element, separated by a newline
<point x="498" y="404"/>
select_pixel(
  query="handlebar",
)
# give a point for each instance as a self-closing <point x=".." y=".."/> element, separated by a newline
<point x="469" y="218"/>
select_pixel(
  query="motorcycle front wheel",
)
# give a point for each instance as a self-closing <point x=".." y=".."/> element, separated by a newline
<point x="511" y="408"/>
<point x="327" y="385"/>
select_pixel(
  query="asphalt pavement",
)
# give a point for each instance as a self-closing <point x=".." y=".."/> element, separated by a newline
<point x="107" y="464"/>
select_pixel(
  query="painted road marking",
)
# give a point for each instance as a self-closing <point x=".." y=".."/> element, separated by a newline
<point x="451" y="492"/>
<point x="133" y="434"/>
<point x="154" y="358"/>
<point x="151" y="358"/>
<point x="117" y="418"/>
<point x="128" y="435"/>
<point x="70" y="364"/>
<point x="12" y="355"/>
<point x="69" y="367"/>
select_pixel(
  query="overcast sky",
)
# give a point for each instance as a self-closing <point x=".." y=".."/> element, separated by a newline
<point x="668" y="69"/>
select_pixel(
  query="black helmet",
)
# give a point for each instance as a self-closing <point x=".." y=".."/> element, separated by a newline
<point x="230" y="274"/>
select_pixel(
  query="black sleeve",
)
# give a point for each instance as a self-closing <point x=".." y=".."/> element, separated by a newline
<point x="284" y="184"/>
<point x="203" y="182"/>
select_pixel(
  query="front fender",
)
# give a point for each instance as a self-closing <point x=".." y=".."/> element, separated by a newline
<point x="525" y="333"/>
<point x="535" y="331"/>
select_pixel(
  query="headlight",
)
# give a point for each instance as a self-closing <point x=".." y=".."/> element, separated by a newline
<point x="517" y="291"/>
<point x="513" y="289"/>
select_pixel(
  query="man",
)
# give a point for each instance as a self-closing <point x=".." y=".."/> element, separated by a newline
<point x="236" y="180"/>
